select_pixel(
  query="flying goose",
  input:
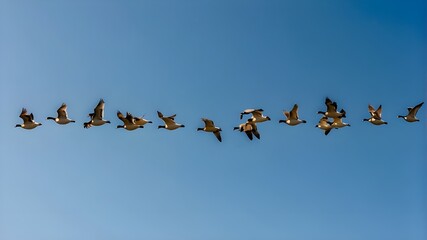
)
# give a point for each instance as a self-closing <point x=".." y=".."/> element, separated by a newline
<point x="250" y="128"/>
<point x="412" y="112"/>
<point x="338" y="123"/>
<point x="257" y="115"/>
<point x="141" y="121"/>
<point x="128" y="121"/>
<point x="325" y="125"/>
<point x="62" y="115"/>
<point x="28" y="119"/>
<point x="169" y="122"/>
<point x="210" y="127"/>
<point x="375" y="116"/>
<point x="96" y="118"/>
<point x="292" y="118"/>
<point x="331" y="110"/>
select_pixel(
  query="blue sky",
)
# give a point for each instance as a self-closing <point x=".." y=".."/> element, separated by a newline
<point x="212" y="59"/>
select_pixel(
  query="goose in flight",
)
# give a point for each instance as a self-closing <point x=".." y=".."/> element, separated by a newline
<point x="338" y="123"/>
<point x="325" y="125"/>
<point x="375" y="118"/>
<point x="128" y="121"/>
<point x="210" y="127"/>
<point x="292" y="118"/>
<point x="62" y="117"/>
<point x="97" y="117"/>
<point x="141" y="121"/>
<point x="28" y="119"/>
<point x="250" y="128"/>
<point x="412" y="112"/>
<point x="170" y="123"/>
<point x="331" y="110"/>
<point x="257" y="115"/>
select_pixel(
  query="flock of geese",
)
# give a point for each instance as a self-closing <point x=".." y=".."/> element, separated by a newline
<point x="331" y="119"/>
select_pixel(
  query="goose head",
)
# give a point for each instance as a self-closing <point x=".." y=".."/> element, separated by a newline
<point x="87" y="124"/>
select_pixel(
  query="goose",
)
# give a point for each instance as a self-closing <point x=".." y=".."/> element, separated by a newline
<point x="96" y="118"/>
<point x="128" y="121"/>
<point x="28" y="119"/>
<point x="62" y="115"/>
<point x="169" y="122"/>
<point x="375" y="116"/>
<point x="141" y="121"/>
<point x="338" y="123"/>
<point x="210" y="127"/>
<point x="292" y="117"/>
<point x="325" y="125"/>
<point x="250" y="128"/>
<point x="331" y="110"/>
<point x="412" y="112"/>
<point x="257" y="115"/>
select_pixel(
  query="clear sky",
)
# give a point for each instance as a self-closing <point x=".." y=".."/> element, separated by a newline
<point x="212" y="59"/>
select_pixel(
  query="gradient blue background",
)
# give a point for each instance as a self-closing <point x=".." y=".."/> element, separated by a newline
<point x="212" y="59"/>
